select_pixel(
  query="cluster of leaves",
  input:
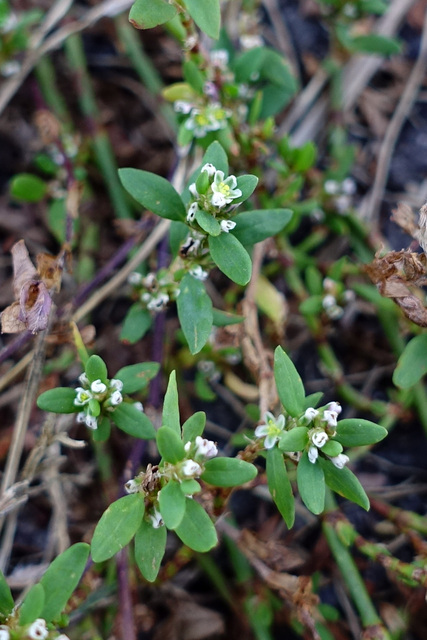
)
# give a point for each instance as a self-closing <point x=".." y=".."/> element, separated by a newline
<point x="46" y="600"/>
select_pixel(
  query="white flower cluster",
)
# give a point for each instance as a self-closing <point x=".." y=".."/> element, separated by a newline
<point x="200" y="451"/>
<point x="154" y="290"/>
<point x="203" y="119"/>
<point x="108" y="395"/>
<point x="334" y="298"/>
<point x="321" y="426"/>
<point x="342" y="192"/>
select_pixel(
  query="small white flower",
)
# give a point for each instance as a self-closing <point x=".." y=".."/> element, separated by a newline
<point x="4" y="634"/>
<point x="335" y="407"/>
<point x="115" y="383"/>
<point x="227" y="187"/>
<point x="158" y="303"/>
<point x="342" y="203"/>
<point x="91" y="422"/>
<point x="319" y="438"/>
<point x="310" y="414"/>
<point x="83" y="379"/>
<point x="9" y="68"/>
<point x="82" y="397"/>
<point x="116" y="398"/>
<point x="219" y="58"/>
<point x="205" y="448"/>
<point x="199" y="273"/>
<point x="331" y="418"/>
<point x="328" y="301"/>
<point x="335" y="313"/>
<point x="251" y="41"/>
<point x="156" y="519"/>
<point x="181" y="106"/>
<point x="135" y="278"/>
<point x="38" y="631"/>
<point x="340" y="460"/>
<point x="210" y="169"/>
<point x="227" y="225"/>
<point x="62" y="637"/>
<point x="191" y="468"/>
<point x="145" y="297"/>
<point x="81" y="417"/>
<point x="313" y="454"/>
<point x="218" y="200"/>
<point x="348" y="186"/>
<point x="332" y="187"/>
<point x="187" y="446"/>
<point x="193" y="190"/>
<point x="98" y="387"/>
<point x="139" y="406"/>
<point x="210" y="90"/>
<point x="191" y="212"/>
<point x="272" y="429"/>
<point x="132" y="486"/>
<point x="150" y="281"/>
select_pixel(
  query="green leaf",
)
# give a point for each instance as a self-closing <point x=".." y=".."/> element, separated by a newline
<point x="96" y="369"/>
<point x="247" y="185"/>
<point x="194" y="426"/>
<point x="208" y="223"/>
<point x="206" y="14"/>
<point x="136" y="324"/>
<point x="61" y="578"/>
<point x="6" y="600"/>
<point x="228" y="472"/>
<point x="412" y="364"/>
<point x="28" y="188"/>
<point x="294" y="440"/>
<point x="170" y="445"/>
<point x="195" y="78"/>
<point x="223" y="318"/>
<point x="255" y="226"/>
<point x="172" y="504"/>
<point x="189" y="487"/>
<point x="59" y="400"/>
<point x="280" y="486"/>
<point x="117" y="526"/>
<point x="289" y="384"/>
<point x="355" y="432"/>
<point x="170" y="416"/>
<point x="133" y="421"/>
<point x="102" y="433"/>
<point x="150" y="545"/>
<point x="344" y="482"/>
<point x="32" y="606"/>
<point x="194" y="312"/>
<point x="312" y="400"/>
<point x="137" y="376"/>
<point x="216" y="155"/>
<point x="231" y="257"/>
<point x="375" y="43"/>
<point x="94" y="407"/>
<point x="311" y="484"/>
<point x="146" y="14"/>
<point x="332" y="448"/>
<point x="196" y="529"/>
<point x="154" y="193"/>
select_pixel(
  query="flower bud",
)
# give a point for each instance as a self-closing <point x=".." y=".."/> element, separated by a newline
<point x="98" y="387"/>
<point x="38" y="630"/>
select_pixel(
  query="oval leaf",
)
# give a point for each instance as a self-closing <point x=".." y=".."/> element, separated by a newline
<point x="61" y="578"/>
<point x="355" y="432"/>
<point x="412" y="364"/>
<point x="279" y="486"/>
<point x="294" y="440"/>
<point x="96" y="369"/>
<point x="133" y="421"/>
<point x="208" y="223"/>
<point x="311" y="484"/>
<point x="170" y="415"/>
<point x="28" y="188"/>
<point x="196" y="529"/>
<point x="59" y="400"/>
<point x="6" y="599"/>
<point x="194" y="312"/>
<point x="231" y="257"/>
<point x="137" y="376"/>
<point x="136" y="324"/>
<point x="150" y="545"/>
<point x="255" y="226"/>
<point x="32" y="606"/>
<point x="206" y="14"/>
<point x="289" y="383"/>
<point x="170" y="445"/>
<point x="146" y="14"/>
<point x="172" y="504"/>
<point x="117" y="526"/>
<point x="154" y="193"/>
<point x="228" y="472"/>
<point x="194" y="426"/>
<point x="345" y="483"/>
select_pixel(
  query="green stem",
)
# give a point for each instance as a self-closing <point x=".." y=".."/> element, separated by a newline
<point x="102" y="146"/>
<point x="46" y="77"/>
